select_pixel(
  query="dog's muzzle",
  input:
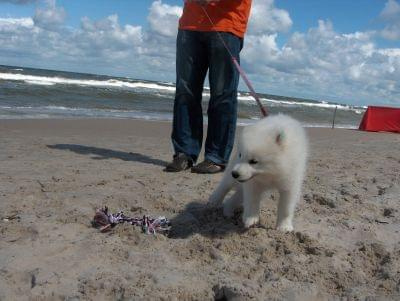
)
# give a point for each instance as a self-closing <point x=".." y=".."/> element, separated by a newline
<point x="235" y="174"/>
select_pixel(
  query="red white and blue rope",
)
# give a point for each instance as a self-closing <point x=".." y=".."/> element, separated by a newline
<point x="104" y="221"/>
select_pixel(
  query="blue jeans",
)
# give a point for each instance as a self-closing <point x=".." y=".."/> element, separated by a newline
<point x="198" y="52"/>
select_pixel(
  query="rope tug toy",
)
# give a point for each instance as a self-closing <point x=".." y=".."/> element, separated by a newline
<point x="105" y="221"/>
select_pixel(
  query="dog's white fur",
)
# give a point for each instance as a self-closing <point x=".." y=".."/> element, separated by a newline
<point x="271" y="153"/>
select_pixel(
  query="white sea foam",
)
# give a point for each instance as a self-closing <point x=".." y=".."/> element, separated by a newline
<point x="23" y="112"/>
<point x="248" y="99"/>
<point x="244" y="122"/>
<point x="158" y="89"/>
<point x="45" y="80"/>
<point x="45" y="112"/>
<point x="288" y="103"/>
<point x="41" y="83"/>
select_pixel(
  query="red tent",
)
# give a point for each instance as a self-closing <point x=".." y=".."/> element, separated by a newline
<point x="381" y="119"/>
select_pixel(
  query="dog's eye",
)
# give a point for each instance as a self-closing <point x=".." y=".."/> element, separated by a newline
<point x="253" y="161"/>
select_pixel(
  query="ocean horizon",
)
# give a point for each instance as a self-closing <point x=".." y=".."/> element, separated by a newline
<point x="29" y="93"/>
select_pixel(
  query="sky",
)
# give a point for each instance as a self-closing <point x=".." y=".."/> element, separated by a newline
<point x="335" y="50"/>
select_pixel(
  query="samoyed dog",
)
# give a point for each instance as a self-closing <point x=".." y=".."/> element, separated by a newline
<point x="271" y="154"/>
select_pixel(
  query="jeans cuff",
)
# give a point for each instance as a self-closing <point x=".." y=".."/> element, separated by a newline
<point x="215" y="159"/>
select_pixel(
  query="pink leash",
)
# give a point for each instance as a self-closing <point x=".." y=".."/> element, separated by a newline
<point x="241" y="71"/>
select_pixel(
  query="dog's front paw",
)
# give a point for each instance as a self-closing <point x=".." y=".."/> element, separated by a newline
<point x="285" y="226"/>
<point x="250" y="221"/>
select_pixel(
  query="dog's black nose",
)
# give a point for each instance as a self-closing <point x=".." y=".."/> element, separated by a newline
<point x="235" y="174"/>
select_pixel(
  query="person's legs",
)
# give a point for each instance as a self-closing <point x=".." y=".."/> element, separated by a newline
<point x="222" y="108"/>
<point x="191" y="69"/>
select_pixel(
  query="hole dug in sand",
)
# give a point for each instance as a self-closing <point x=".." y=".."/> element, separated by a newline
<point x="224" y="293"/>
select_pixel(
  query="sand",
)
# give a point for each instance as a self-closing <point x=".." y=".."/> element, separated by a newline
<point x="55" y="173"/>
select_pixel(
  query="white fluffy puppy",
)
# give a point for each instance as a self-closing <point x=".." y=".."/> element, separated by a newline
<point x="271" y="153"/>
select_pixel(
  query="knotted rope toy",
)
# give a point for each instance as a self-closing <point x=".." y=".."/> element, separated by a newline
<point x="104" y="221"/>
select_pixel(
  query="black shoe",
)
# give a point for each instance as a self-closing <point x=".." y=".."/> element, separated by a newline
<point x="208" y="166"/>
<point x="179" y="163"/>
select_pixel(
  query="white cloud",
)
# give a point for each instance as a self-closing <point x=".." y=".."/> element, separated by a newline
<point x="16" y="38"/>
<point x="18" y="1"/>
<point x="330" y="64"/>
<point x="12" y="23"/>
<point x="49" y="17"/>
<point x="163" y="18"/>
<point x="107" y="33"/>
<point x="391" y="10"/>
<point x="391" y="16"/>
<point x="103" y="45"/>
<point x="391" y="32"/>
<point x="266" y="18"/>
<point x="159" y="43"/>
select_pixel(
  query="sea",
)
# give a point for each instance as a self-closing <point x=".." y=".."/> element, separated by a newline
<point x="28" y="93"/>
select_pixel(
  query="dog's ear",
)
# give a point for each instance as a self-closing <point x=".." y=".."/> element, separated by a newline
<point x="279" y="138"/>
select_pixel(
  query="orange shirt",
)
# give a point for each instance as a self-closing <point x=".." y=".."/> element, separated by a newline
<point x="227" y="15"/>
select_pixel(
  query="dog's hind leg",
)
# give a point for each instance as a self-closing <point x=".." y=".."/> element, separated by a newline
<point x="232" y="203"/>
<point x="286" y="206"/>
<point x="251" y="204"/>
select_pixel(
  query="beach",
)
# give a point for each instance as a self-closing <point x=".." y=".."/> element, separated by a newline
<point x="54" y="174"/>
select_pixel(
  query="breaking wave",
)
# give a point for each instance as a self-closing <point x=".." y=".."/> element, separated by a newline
<point x="45" y="80"/>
